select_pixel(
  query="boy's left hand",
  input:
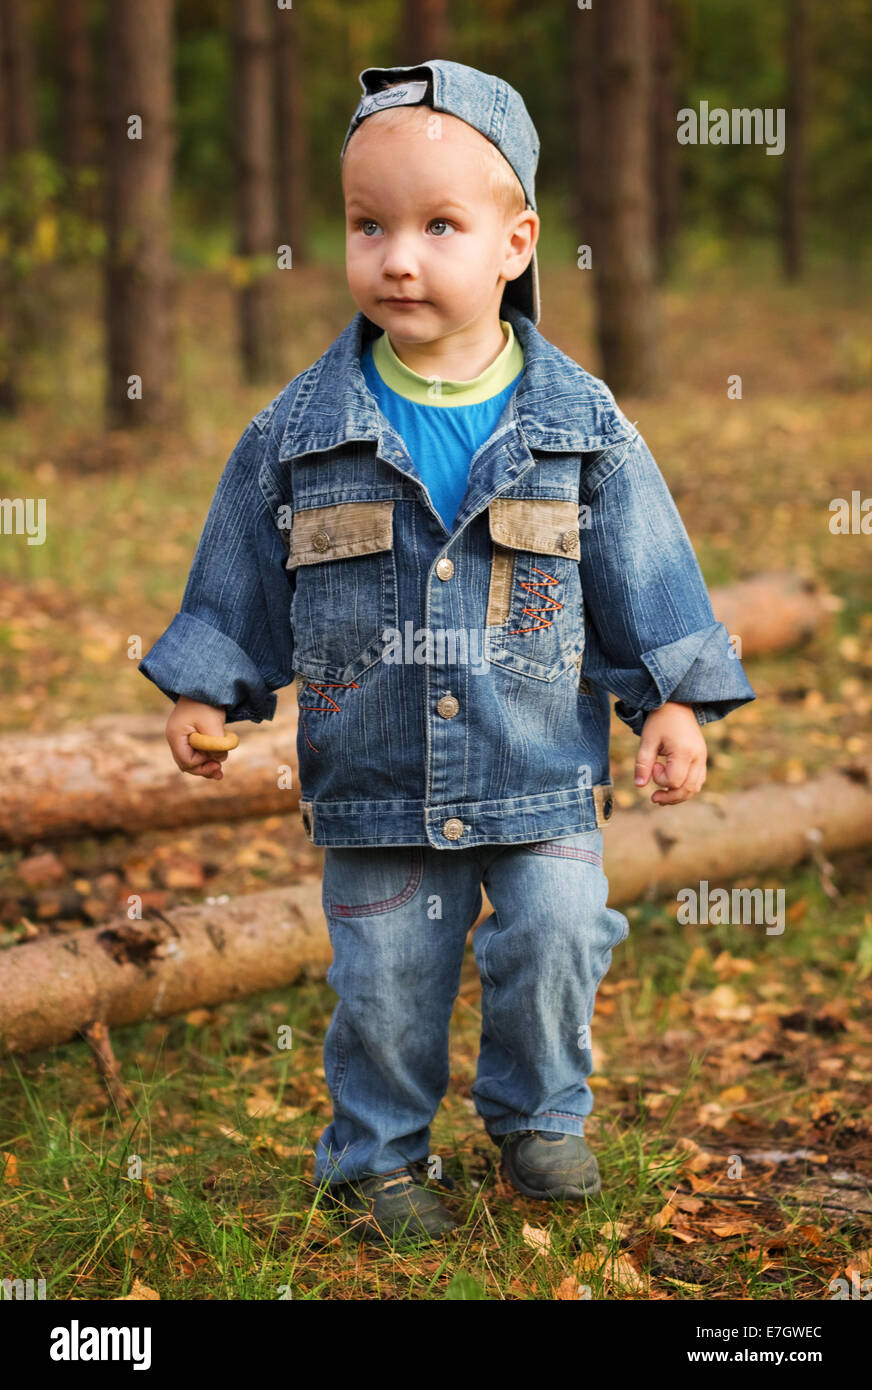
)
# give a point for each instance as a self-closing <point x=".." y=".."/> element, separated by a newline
<point x="673" y="749"/>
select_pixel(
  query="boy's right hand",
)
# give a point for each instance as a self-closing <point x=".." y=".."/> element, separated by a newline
<point x="188" y="717"/>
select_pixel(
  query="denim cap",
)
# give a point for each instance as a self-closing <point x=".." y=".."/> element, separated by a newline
<point x="488" y="104"/>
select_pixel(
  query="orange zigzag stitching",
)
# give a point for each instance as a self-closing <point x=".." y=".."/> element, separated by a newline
<point x="534" y="586"/>
<point x="321" y="709"/>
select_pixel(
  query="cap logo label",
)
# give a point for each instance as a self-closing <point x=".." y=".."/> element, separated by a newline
<point x="409" y="94"/>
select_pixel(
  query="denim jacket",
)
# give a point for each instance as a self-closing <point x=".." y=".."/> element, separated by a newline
<point x="453" y="687"/>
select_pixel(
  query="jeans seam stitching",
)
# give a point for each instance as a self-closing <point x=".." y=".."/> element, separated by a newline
<point x="566" y="852"/>
<point x="406" y="893"/>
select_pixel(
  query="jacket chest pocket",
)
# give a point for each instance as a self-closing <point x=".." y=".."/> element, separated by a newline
<point x="345" y="587"/>
<point x="535" y="614"/>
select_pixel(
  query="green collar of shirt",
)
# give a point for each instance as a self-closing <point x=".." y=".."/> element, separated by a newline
<point x="422" y="390"/>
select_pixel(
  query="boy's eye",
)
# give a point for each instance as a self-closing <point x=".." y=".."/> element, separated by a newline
<point x="366" y="224"/>
<point x="441" y="222"/>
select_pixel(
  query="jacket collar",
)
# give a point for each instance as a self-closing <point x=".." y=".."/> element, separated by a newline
<point x="558" y="405"/>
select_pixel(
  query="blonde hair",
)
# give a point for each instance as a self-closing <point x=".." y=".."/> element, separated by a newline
<point x="504" y="184"/>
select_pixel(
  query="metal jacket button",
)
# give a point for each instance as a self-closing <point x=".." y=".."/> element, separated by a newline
<point x="320" y="540"/>
<point x="445" y="567"/>
<point x="452" y="829"/>
<point x="448" y="706"/>
<point x="570" y="542"/>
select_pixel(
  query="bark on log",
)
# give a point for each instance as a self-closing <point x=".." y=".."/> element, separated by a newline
<point x="773" y="612"/>
<point x="116" y="772"/>
<point x="55" y="986"/>
<point x="202" y="955"/>
<point x="764" y="830"/>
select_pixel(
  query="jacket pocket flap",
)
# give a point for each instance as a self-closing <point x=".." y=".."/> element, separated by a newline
<point x="340" y="531"/>
<point x="545" y="525"/>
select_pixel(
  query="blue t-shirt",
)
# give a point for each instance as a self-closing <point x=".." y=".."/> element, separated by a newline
<point x="442" y="432"/>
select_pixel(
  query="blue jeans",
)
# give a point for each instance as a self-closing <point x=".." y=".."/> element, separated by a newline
<point x="398" y="919"/>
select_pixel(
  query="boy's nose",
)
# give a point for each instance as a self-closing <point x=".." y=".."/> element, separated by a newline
<point x="399" y="258"/>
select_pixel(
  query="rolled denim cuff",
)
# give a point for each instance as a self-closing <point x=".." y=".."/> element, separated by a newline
<point x="192" y="658"/>
<point x="700" y="669"/>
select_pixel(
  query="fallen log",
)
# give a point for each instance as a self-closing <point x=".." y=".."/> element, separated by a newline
<point x="51" y="988"/>
<point x="773" y="612"/>
<point x="56" y="986"/>
<point x="722" y="837"/>
<point x="116" y="772"/>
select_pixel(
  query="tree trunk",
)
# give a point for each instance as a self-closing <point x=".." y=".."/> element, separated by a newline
<point x="255" y="202"/>
<point x="623" y="257"/>
<point x="425" y="31"/>
<point x="77" y="107"/>
<point x="292" y="170"/>
<point x="4" y="91"/>
<point x="794" y="187"/>
<point x="583" y="98"/>
<point x="18" y="134"/>
<point x="16" y="78"/>
<point x="57" y="986"/>
<point x="137" y="211"/>
<point x="664" y="162"/>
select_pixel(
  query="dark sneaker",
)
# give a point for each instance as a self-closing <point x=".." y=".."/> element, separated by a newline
<point x="392" y="1208"/>
<point x="552" y="1167"/>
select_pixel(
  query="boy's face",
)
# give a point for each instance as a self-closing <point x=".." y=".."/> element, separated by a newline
<point x="428" y="249"/>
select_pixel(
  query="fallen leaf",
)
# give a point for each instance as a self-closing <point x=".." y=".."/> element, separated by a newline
<point x="662" y="1217"/>
<point x="726" y="965"/>
<point x="615" y="1230"/>
<point x="260" y="1104"/>
<point x="139" y="1291"/>
<point x="698" y="1158"/>
<point x="713" y="1115"/>
<point x="733" y="1095"/>
<point x="861" y="1261"/>
<point x="689" y="1204"/>
<point x="197" y="1017"/>
<point x="730" y="1228"/>
<point x="568" y="1288"/>
<point x="536" y="1237"/>
<point x="622" y="1272"/>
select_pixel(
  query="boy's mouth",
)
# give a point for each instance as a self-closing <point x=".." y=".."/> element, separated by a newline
<point x="401" y="299"/>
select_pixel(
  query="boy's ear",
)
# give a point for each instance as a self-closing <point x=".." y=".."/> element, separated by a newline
<point x="523" y="237"/>
<point x="533" y="218"/>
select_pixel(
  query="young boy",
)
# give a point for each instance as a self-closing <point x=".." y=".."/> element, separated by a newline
<point x="452" y="539"/>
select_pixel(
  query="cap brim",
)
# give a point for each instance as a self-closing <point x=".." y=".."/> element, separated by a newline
<point x="523" y="293"/>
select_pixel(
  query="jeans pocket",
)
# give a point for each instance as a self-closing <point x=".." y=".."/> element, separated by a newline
<point x="371" y="881"/>
<point x="586" y="845"/>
